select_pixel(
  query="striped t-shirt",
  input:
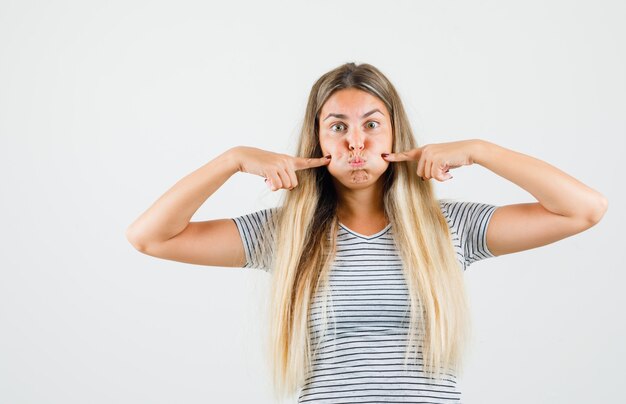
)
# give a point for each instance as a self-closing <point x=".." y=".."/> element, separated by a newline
<point x="361" y="356"/>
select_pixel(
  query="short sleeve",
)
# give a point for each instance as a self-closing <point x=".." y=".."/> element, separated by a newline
<point x="255" y="228"/>
<point x="469" y="221"/>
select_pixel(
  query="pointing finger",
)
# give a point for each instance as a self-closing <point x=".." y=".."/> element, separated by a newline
<point x="407" y="155"/>
<point x="303" y="163"/>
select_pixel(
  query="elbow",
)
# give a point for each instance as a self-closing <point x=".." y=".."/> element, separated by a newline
<point x="597" y="213"/>
<point x="134" y="239"/>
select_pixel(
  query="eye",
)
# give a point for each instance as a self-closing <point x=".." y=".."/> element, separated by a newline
<point x="377" y="124"/>
<point x="337" y="124"/>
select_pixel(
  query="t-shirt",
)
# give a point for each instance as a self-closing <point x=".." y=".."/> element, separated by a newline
<point x="361" y="356"/>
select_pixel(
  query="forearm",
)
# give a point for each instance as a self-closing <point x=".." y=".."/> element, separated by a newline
<point x="557" y="191"/>
<point x="171" y="213"/>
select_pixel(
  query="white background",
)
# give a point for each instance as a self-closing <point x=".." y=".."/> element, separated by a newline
<point x="105" y="105"/>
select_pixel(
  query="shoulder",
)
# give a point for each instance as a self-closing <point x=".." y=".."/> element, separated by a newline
<point x="257" y="230"/>
<point x="468" y="222"/>
<point x="458" y="210"/>
<point x="253" y="224"/>
<point x="259" y="216"/>
<point x="466" y="217"/>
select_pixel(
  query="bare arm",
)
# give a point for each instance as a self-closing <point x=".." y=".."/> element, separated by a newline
<point x="558" y="192"/>
<point x="165" y="230"/>
<point x="565" y="205"/>
<point x="172" y="212"/>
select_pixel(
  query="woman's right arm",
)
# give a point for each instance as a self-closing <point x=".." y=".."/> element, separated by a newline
<point x="171" y="213"/>
<point x="164" y="230"/>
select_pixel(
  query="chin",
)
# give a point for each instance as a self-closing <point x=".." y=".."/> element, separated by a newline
<point x="357" y="178"/>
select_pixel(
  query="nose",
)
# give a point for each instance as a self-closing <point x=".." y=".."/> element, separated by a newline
<point x="355" y="141"/>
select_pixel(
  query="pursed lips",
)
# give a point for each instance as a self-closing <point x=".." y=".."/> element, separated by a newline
<point x="356" y="161"/>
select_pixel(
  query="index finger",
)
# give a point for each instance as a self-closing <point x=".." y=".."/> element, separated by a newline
<point x="413" y="154"/>
<point x="303" y="163"/>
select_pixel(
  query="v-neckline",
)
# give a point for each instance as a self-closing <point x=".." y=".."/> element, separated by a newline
<point x="363" y="236"/>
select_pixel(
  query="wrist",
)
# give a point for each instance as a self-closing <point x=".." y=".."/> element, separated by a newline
<point x="479" y="150"/>
<point x="230" y="158"/>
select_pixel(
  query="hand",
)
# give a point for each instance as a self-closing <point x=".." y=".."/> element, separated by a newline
<point x="435" y="160"/>
<point x="278" y="169"/>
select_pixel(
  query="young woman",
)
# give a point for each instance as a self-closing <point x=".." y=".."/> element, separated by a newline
<point x="366" y="263"/>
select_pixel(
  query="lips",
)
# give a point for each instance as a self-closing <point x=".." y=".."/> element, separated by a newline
<point x="357" y="162"/>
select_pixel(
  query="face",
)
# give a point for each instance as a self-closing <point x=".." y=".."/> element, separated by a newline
<point x="355" y="137"/>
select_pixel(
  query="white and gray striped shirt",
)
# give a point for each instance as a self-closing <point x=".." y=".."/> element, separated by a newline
<point x="361" y="356"/>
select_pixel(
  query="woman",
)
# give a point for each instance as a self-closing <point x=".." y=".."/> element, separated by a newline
<point x="367" y="265"/>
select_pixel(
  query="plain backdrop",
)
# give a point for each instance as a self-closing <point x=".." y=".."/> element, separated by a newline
<point x="106" y="105"/>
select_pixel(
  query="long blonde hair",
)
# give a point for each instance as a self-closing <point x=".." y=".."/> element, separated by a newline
<point x="303" y="239"/>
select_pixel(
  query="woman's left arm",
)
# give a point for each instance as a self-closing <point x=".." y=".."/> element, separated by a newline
<point x="566" y="206"/>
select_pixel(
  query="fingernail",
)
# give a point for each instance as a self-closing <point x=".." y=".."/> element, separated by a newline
<point x="328" y="157"/>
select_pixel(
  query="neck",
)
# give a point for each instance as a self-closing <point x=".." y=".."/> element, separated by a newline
<point x="357" y="205"/>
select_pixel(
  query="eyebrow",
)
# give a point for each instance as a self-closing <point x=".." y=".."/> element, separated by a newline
<point x="342" y="116"/>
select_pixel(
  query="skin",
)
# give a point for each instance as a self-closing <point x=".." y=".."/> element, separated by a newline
<point x="565" y="205"/>
<point x="360" y="189"/>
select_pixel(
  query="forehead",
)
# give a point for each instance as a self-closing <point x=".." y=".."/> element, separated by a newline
<point x="352" y="102"/>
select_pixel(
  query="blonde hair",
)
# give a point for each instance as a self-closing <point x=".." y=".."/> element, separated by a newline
<point x="301" y="248"/>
